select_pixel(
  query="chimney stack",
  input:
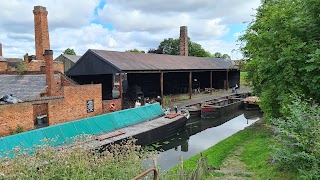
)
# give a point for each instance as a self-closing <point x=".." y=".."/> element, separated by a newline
<point x="26" y="59"/>
<point x="0" y="49"/>
<point x="41" y="31"/>
<point x="48" y="55"/>
<point x="183" y="41"/>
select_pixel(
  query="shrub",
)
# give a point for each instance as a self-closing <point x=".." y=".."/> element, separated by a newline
<point x="298" y="134"/>
<point x="119" y="161"/>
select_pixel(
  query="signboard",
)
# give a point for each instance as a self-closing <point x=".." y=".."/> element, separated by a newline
<point x="90" y="106"/>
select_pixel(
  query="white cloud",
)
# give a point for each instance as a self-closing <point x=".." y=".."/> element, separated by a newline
<point x="135" y="24"/>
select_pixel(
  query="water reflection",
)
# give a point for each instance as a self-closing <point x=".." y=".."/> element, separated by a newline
<point x="200" y="134"/>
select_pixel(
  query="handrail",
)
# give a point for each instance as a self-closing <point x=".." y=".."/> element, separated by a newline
<point x="155" y="174"/>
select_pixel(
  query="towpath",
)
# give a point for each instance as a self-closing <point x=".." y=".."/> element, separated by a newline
<point x="205" y="97"/>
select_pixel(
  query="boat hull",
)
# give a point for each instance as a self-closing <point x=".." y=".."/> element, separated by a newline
<point x="251" y="106"/>
<point x="221" y="108"/>
<point x="159" y="132"/>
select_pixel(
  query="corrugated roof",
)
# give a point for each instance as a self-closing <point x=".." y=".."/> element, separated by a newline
<point x="127" y="61"/>
<point x="72" y="58"/>
<point x="23" y="86"/>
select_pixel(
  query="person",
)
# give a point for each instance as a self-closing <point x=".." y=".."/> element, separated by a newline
<point x="147" y="100"/>
<point x="159" y="100"/>
<point x="235" y="89"/>
<point x="137" y="104"/>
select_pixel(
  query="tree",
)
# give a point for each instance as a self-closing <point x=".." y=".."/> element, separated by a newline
<point x="226" y="56"/>
<point x="172" y="46"/>
<point x="217" y="55"/>
<point x="281" y="46"/>
<point x="135" y="50"/>
<point x="69" y="51"/>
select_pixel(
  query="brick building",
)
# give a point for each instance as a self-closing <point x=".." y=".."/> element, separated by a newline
<point x="48" y="96"/>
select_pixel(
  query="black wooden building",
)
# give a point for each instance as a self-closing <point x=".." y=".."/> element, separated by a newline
<point x="152" y="74"/>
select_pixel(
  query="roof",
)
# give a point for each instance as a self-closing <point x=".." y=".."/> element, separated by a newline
<point x="72" y="58"/>
<point x="2" y="59"/>
<point x="23" y="86"/>
<point x="13" y="62"/>
<point x="142" y="61"/>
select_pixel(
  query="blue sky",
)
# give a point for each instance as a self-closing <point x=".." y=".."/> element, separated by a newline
<point x="125" y="24"/>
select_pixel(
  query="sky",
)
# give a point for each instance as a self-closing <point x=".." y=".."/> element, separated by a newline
<point x="121" y="25"/>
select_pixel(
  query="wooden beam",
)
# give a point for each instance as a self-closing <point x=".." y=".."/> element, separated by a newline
<point x="190" y="84"/>
<point x="227" y="79"/>
<point x="120" y="85"/>
<point x="211" y="82"/>
<point x="161" y="84"/>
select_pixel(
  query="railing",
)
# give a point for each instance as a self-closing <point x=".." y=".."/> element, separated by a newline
<point x="155" y="174"/>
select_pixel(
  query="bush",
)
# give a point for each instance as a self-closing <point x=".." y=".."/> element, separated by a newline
<point x="122" y="161"/>
<point x="298" y="134"/>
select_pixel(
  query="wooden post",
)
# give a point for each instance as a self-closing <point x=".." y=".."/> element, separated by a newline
<point x="120" y="85"/>
<point x="161" y="85"/>
<point x="190" y="85"/>
<point x="227" y="81"/>
<point x="113" y="80"/>
<point x="210" y="82"/>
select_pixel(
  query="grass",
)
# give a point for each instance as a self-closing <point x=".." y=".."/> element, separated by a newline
<point x="242" y="78"/>
<point x="255" y="143"/>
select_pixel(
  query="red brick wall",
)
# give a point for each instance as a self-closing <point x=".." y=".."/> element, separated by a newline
<point x="35" y="65"/>
<point x="40" y="109"/>
<point x="106" y="105"/>
<point x="74" y="104"/>
<point x="41" y="31"/>
<point x="72" y="107"/>
<point x="12" y="115"/>
<point x="3" y="65"/>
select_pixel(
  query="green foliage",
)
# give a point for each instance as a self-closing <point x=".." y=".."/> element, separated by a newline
<point x="123" y="161"/>
<point x="298" y="135"/>
<point x="226" y="56"/>
<point x="282" y="48"/>
<point x="256" y="153"/>
<point x="21" y="68"/>
<point x="135" y="50"/>
<point x="172" y="46"/>
<point x="19" y="129"/>
<point x="217" y="55"/>
<point x="69" y="51"/>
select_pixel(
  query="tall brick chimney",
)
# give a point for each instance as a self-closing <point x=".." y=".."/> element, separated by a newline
<point x="48" y="55"/>
<point x="41" y="31"/>
<point x="183" y="41"/>
<point x="0" y="49"/>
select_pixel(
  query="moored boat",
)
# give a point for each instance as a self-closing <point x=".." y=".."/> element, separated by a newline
<point x="251" y="103"/>
<point x="220" y="107"/>
<point x="147" y="124"/>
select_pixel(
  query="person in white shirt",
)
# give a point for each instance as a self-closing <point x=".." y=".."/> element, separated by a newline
<point x="137" y="104"/>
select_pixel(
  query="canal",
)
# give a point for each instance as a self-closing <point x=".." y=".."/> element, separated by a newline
<point x="200" y="134"/>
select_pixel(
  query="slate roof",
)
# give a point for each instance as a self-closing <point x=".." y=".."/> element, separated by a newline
<point x="72" y="58"/>
<point x="13" y="62"/>
<point x="2" y="58"/>
<point x="23" y="86"/>
<point x="127" y="61"/>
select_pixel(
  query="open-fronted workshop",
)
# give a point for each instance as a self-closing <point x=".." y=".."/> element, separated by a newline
<point x="149" y="75"/>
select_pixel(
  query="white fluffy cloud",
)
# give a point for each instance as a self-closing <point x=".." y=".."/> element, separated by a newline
<point x="83" y="24"/>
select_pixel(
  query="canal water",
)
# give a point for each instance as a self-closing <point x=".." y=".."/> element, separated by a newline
<point x="200" y="134"/>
